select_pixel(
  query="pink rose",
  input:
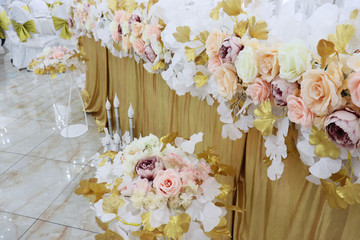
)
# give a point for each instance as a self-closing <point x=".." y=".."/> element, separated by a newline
<point x="134" y="19"/>
<point x="126" y="44"/>
<point x="139" y="46"/>
<point x="268" y="64"/>
<point x="214" y="63"/>
<point x="118" y="15"/>
<point x="148" y="167"/>
<point x="298" y="111"/>
<point x="230" y="48"/>
<point x="137" y="28"/>
<point x="226" y="79"/>
<point x="281" y="89"/>
<point x="153" y="30"/>
<point x="58" y="54"/>
<point x="321" y="90"/>
<point x="202" y="171"/>
<point x="259" y="91"/>
<point x="167" y="183"/>
<point x="150" y="54"/>
<point x="116" y="36"/>
<point x="353" y="84"/>
<point x="342" y="127"/>
<point x="214" y="42"/>
<point x="143" y="185"/>
<point x="187" y="174"/>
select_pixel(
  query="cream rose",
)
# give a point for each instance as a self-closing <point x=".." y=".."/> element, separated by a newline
<point x="268" y="64"/>
<point x="321" y="90"/>
<point x="126" y="44"/>
<point x="246" y="65"/>
<point x="137" y="28"/>
<point x="354" y="62"/>
<point x="214" y="42"/>
<point x="226" y="79"/>
<point x="294" y="60"/>
<point x="214" y="63"/>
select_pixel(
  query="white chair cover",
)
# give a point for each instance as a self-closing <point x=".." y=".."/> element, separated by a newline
<point x="16" y="4"/>
<point x="23" y="52"/>
<point x="39" y="9"/>
<point x="61" y="12"/>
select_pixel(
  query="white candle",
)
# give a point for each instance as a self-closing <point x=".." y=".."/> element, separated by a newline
<point x="117" y="141"/>
<point x="131" y="116"/>
<point x="108" y="106"/>
<point x="117" y="115"/>
<point x="106" y="140"/>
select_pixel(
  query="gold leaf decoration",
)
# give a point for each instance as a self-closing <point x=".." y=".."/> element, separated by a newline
<point x="177" y="226"/>
<point x="344" y="33"/>
<point x="325" y="49"/>
<point x="324" y="147"/>
<point x="232" y="7"/>
<point x="131" y="5"/>
<point x="350" y="192"/>
<point x="220" y="231"/>
<point x="182" y="34"/>
<point x="340" y="177"/>
<point x="150" y="4"/>
<point x="214" y="14"/>
<point x="157" y="66"/>
<point x="117" y="46"/>
<point x="109" y="235"/>
<point x="115" y="190"/>
<point x="91" y="189"/>
<point x="354" y="13"/>
<point x="146" y="221"/>
<point x="161" y="23"/>
<point x="202" y="37"/>
<point x="200" y="79"/>
<point x="333" y="199"/>
<point x="258" y="29"/>
<point x="103" y="226"/>
<point x="146" y="235"/>
<point x="240" y="28"/>
<point x="112" y="5"/>
<point x="190" y="53"/>
<point x="215" y="163"/>
<point x="266" y="120"/>
<point x="225" y="189"/>
<point x="202" y="58"/>
<point x="112" y="204"/>
<point x="168" y="139"/>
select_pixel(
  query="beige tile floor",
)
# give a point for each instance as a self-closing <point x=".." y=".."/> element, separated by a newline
<point x="39" y="169"/>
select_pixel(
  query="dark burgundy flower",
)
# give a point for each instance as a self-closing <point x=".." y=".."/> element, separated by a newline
<point x="150" y="54"/>
<point x="342" y="127"/>
<point x="119" y="29"/>
<point x="281" y="89"/>
<point x="134" y="18"/>
<point x="230" y="49"/>
<point x="148" y="167"/>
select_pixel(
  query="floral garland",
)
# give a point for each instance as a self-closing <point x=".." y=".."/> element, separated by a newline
<point x="259" y="75"/>
<point x="154" y="188"/>
<point x="57" y="60"/>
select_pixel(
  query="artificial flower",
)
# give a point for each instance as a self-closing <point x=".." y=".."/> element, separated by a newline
<point x="281" y="89"/>
<point x="148" y="167"/>
<point x="268" y="64"/>
<point x="167" y="183"/>
<point x="259" y="91"/>
<point x="353" y="84"/>
<point x="246" y="65"/>
<point x="226" y="79"/>
<point x="214" y="42"/>
<point x="299" y="112"/>
<point x="230" y="48"/>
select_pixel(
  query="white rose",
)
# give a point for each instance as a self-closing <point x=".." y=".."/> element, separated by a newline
<point x="125" y="28"/>
<point x="354" y="62"/>
<point x="294" y="60"/>
<point x="246" y="65"/>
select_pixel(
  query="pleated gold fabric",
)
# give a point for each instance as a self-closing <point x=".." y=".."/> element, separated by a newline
<point x="289" y="208"/>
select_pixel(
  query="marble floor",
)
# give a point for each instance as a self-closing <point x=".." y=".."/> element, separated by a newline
<point x="39" y="169"/>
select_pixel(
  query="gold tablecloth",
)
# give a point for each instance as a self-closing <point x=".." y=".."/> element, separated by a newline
<point x="289" y="208"/>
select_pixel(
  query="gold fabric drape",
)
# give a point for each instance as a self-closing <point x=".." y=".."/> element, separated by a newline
<point x="289" y="208"/>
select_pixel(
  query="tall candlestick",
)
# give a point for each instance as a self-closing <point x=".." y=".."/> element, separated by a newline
<point x="131" y="117"/>
<point x="116" y="105"/>
<point x="106" y="140"/>
<point x="108" y="106"/>
<point x="117" y="142"/>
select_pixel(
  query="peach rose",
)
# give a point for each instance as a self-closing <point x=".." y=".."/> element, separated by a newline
<point x="353" y="84"/>
<point x="298" y="112"/>
<point x="214" y="63"/>
<point x="321" y="89"/>
<point x="226" y="79"/>
<point x="259" y="91"/>
<point x="139" y="46"/>
<point x="153" y="30"/>
<point x="214" y="42"/>
<point x="118" y="15"/>
<point x="167" y="183"/>
<point x="126" y="44"/>
<point x="58" y="55"/>
<point x="125" y="17"/>
<point x="268" y="64"/>
<point x="137" y="28"/>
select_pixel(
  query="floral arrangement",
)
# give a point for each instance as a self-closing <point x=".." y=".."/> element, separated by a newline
<point x="57" y="60"/>
<point x="154" y="188"/>
<point x="289" y="75"/>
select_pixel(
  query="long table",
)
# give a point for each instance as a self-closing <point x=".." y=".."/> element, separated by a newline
<point x="288" y="208"/>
